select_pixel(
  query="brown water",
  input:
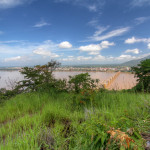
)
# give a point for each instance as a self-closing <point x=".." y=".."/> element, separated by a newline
<point x="123" y="81"/>
<point x="95" y="75"/>
<point x="8" y="78"/>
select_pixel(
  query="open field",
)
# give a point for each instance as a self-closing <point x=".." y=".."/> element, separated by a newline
<point x="65" y="121"/>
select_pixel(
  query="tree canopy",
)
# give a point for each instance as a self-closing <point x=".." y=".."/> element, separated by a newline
<point x="39" y="76"/>
<point x="142" y="72"/>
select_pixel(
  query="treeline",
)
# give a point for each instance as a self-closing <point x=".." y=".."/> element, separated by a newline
<point x="40" y="78"/>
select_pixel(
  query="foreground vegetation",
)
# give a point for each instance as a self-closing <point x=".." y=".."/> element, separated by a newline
<point x="50" y="120"/>
<point x="44" y="113"/>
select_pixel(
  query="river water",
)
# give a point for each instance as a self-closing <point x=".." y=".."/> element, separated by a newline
<point x="123" y="81"/>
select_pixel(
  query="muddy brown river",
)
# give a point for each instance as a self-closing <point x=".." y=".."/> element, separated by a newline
<point x="123" y="81"/>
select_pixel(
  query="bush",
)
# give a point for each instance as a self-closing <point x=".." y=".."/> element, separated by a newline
<point x="6" y="94"/>
<point x="142" y="72"/>
<point x="81" y="82"/>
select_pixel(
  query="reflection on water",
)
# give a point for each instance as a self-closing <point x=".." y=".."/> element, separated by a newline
<point x="123" y="81"/>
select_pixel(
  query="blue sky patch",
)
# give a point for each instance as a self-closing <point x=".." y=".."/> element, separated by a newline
<point x="73" y="31"/>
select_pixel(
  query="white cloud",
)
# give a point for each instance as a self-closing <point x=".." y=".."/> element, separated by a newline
<point x="67" y="59"/>
<point x="93" y="22"/>
<point x="144" y="55"/>
<point x="15" y="49"/>
<point x="80" y="58"/>
<point x="99" y="58"/>
<point x="12" y="3"/>
<point x="99" y="31"/>
<point x="31" y="53"/>
<point x="28" y="51"/>
<point x="102" y="59"/>
<point x="96" y="47"/>
<point x="91" y="47"/>
<point x="140" y="3"/>
<point x="91" y="5"/>
<point x="12" y="59"/>
<point x="93" y="53"/>
<point x="9" y="3"/>
<point x="148" y="46"/>
<point x="70" y="56"/>
<point x="134" y="51"/>
<point x="41" y="24"/>
<point x="65" y="44"/>
<point x="113" y="33"/>
<point x="130" y="40"/>
<point x="77" y="59"/>
<point x="136" y="40"/>
<point x="43" y="52"/>
<point x="125" y="57"/>
<point x="53" y="55"/>
<point x="24" y="47"/>
<point x="106" y="44"/>
<point x="12" y="41"/>
<point x="47" y="49"/>
<point x="141" y="20"/>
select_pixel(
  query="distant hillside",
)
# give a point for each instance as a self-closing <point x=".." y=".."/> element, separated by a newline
<point x="134" y="62"/>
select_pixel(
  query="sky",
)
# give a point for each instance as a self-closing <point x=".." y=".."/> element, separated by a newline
<point x="33" y="32"/>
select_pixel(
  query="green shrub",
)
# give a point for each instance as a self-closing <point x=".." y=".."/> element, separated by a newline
<point x="142" y="72"/>
<point x="81" y="82"/>
<point x="41" y="78"/>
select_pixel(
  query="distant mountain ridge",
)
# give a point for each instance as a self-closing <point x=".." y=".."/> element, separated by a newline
<point x="134" y="62"/>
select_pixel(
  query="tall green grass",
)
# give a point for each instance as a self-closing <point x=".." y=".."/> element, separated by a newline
<point x="42" y="120"/>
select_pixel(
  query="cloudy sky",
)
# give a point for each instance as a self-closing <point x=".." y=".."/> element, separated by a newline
<point x="73" y="31"/>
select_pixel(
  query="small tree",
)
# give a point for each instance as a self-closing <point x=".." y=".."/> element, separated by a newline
<point x="38" y="76"/>
<point x="81" y="81"/>
<point x="142" y="72"/>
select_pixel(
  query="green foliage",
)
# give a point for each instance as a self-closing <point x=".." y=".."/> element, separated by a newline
<point x="84" y="88"/>
<point x="142" y="72"/>
<point x="94" y="135"/>
<point x="83" y="119"/>
<point x="39" y="77"/>
<point x="40" y="120"/>
<point x="81" y="82"/>
<point x="7" y="94"/>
